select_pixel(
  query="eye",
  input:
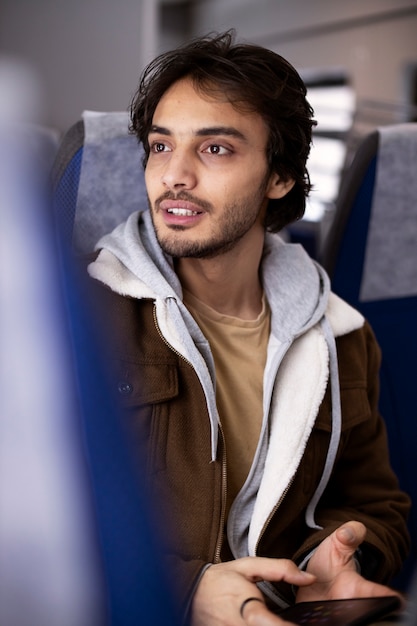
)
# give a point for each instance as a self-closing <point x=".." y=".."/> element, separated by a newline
<point x="158" y="146"/>
<point x="216" y="149"/>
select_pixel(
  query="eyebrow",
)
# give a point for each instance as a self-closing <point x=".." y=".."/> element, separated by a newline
<point x="230" y="131"/>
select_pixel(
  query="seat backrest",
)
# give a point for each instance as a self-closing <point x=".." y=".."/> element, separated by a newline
<point x="98" y="181"/>
<point x="98" y="178"/>
<point x="371" y="256"/>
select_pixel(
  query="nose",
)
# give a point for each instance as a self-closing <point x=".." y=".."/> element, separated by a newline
<point x="179" y="172"/>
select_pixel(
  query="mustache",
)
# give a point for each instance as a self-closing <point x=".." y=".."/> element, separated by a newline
<point x="186" y="196"/>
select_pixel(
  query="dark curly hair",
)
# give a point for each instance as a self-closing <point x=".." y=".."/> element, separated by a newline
<point x="254" y="79"/>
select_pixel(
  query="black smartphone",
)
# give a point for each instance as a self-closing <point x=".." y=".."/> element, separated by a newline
<point x="349" y="612"/>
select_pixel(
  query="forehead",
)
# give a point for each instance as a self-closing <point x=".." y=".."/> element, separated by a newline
<point x="185" y="105"/>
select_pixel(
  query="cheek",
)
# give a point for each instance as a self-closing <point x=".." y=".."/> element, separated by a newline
<point x="246" y="184"/>
<point x="150" y="183"/>
<point x="148" y="176"/>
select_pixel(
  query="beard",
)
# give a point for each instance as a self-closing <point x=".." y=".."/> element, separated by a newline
<point x="236" y="220"/>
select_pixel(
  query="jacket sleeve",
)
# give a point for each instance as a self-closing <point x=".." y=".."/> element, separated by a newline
<point x="185" y="576"/>
<point x="363" y="486"/>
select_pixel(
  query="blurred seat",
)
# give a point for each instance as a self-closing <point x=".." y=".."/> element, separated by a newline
<point x="98" y="178"/>
<point x="49" y="571"/>
<point x="371" y="256"/>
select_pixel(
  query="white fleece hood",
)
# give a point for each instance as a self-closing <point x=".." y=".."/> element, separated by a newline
<point x="305" y="319"/>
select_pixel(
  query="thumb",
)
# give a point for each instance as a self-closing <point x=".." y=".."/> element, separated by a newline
<point x="351" y="535"/>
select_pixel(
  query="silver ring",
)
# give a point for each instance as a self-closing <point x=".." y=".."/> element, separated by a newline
<point x="245" y="602"/>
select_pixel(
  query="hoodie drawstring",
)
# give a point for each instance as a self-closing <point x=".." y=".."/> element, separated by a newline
<point x="336" y="425"/>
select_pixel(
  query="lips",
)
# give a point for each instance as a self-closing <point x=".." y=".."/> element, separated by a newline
<point x="181" y="208"/>
<point x="180" y="213"/>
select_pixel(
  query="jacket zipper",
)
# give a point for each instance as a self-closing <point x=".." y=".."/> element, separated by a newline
<point x="266" y="587"/>
<point x="272" y="513"/>
<point x="283" y="351"/>
<point x="219" y="540"/>
<point x="158" y="330"/>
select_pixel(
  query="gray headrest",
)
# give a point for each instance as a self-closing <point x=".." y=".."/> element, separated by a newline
<point x="112" y="181"/>
<point x="390" y="267"/>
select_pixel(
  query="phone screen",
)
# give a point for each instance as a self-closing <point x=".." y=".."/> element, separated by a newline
<point x="349" y="612"/>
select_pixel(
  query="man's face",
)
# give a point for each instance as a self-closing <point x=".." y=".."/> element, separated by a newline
<point x="207" y="173"/>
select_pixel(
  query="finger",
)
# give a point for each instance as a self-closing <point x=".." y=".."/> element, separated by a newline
<point x="257" y="614"/>
<point x="245" y="603"/>
<point x="351" y="534"/>
<point x="256" y="569"/>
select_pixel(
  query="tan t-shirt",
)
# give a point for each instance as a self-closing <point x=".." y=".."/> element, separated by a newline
<point x="239" y="350"/>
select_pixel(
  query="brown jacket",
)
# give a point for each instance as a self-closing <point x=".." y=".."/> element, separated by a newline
<point x="164" y="408"/>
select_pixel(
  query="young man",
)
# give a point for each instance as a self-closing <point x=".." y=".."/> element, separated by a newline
<point x="250" y="388"/>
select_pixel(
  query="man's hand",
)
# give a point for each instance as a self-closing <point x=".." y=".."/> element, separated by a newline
<point x="334" y="567"/>
<point x="224" y="588"/>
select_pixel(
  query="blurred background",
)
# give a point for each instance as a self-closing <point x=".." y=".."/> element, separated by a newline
<point x="89" y="53"/>
<point x="358" y="58"/>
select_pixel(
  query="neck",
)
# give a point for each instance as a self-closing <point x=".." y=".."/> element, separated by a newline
<point x="228" y="283"/>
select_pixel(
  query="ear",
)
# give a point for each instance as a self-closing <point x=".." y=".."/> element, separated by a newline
<point x="278" y="188"/>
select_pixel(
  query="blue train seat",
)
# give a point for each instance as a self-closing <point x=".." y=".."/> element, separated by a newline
<point x="371" y="256"/>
